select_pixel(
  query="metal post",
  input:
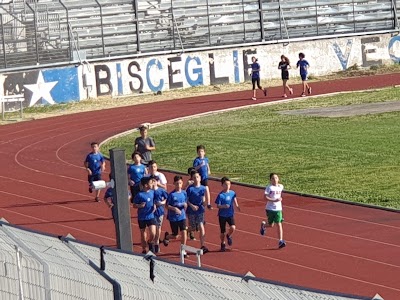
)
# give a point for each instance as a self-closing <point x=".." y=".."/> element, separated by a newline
<point x="19" y="269"/>
<point x="261" y="14"/>
<point x="244" y="23"/>
<point x="3" y="41"/>
<point x="280" y="18"/>
<point x="68" y="29"/>
<point x="102" y="27"/>
<point x="21" y="107"/>
<point x="316" y="15"/>
<point x="354" y="16"/>
<point x="136" y="7"/>
<point x="35" y="25"/>
<point x="208" y="23"/>
<point x="123" y="218"/>
<point x="173" y="24"/>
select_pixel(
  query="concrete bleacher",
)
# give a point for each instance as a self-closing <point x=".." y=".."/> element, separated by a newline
<point x="106" y="28"/>
<point x="39" y="266"/>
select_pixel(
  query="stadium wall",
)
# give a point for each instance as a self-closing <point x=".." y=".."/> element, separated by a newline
<point x="220" y="66"/>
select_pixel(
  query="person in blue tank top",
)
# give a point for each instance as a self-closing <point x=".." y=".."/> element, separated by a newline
<point x="95" y="165"/>
<point x="303" y="65"/>
<point x="144" y="202"/>
<point x="197" y="195"/>
<point x="136" y="172"/>
<point x="226" y="200"/>
<point x="160" y="199"/>
<point x="176" y="205"/>
<point x="255" y="77"/>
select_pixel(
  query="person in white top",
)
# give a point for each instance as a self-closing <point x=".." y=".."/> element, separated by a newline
<point x="273" y="195"/>
<point x="160" y="177"/>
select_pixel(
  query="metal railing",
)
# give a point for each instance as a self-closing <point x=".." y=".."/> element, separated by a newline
<point x="106" y="28"/>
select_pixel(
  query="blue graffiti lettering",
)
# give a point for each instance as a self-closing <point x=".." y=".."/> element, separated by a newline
<point x="392" y="55"/>
<point x="150" y="64"/>
<point x="199" y="71"/>
<point x="343" y="57"/>
<point x="236" y="65"/>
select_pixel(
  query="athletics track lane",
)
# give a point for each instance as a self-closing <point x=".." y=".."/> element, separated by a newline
<point x="331" y="246"/>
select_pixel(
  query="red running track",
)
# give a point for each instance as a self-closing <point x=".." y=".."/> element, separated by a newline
<point x="331" y="246"/>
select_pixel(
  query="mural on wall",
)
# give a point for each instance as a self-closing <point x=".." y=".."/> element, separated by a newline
<point x="343" y="55"/>
<point x="43" y="86"/>
<point x="166" y="72"/>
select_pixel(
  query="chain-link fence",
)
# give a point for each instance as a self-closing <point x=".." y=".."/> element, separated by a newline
<point x="61" y="31"/>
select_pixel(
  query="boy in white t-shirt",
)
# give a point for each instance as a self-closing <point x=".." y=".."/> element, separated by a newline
<point x="273" y="193"/>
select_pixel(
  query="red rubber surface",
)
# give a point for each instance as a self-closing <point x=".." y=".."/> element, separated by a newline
<point x="331" y="246"/>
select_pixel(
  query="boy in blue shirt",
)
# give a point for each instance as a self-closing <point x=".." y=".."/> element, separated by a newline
<point x="144" y="202"/>
<point x="225" y="201"/>
<point x="201" y="164"/>
<point x="255" y="77"/>
<point x="304" y="65"/>
<point x="136" y="172"/>
<point x="160" y="199"/>
<point x="176" y="205"/>
<point x="197" y="195"/>
<point x="94" y="164"/>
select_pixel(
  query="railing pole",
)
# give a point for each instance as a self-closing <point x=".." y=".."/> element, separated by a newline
<point x="35" y="25"/>
<point x="260" y="10"/>
<point x="3" y="41"/>
<point x="102" y="27"/>
<point x="136" y="7"/>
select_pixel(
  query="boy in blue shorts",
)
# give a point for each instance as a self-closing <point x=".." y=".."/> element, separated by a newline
<point x="273" y="195"/>
<point x="144" y="202"/>
<point x="136" y="172"/>
<point x="201" y="165"/>
<point x="176" y="205"/>
<point x="225" y="201"/>
<point x="160" y="198"/>
<point x="94" y="164"/>
<point x="197" y="194"/>
<point x="304" y="65"/>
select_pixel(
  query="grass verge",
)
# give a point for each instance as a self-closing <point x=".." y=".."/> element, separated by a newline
<point x="352" y="158"/>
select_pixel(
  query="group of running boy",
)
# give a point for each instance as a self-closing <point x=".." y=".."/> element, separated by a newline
<point x="185" y="204"/>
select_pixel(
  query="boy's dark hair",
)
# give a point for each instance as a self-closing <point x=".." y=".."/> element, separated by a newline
<point x="93" y="143"/>
<point x="193" y="173"/>
<point x="190" y="170"/>
<point x="177" y="177"/>
<point x="200" y="147"/>
<point x="272" y="174"/>
<point x="136" y="153"/>
<point x="301" y="55"/>
<point x="224" y="179"/>
<point x="151" y="162"/>
<point x="145" y="180"/>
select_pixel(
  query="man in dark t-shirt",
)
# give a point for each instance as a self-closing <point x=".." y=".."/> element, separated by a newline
<point x="144" y="145"/>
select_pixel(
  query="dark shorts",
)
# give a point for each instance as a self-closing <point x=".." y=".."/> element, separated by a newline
<point x="304" y="77"/>
<point x="223" y="221"/>
<point x="92" y="178"/>
<point x="285" y="75"/>
<point x="146" y="223"/>
<point x="255" y="81"/>
<point x="134" y="190"/>
<point x="177" y="226"/>
<point x="204" y="182"/>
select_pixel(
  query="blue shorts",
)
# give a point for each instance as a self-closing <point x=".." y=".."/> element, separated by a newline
<point x="304" y="77"/>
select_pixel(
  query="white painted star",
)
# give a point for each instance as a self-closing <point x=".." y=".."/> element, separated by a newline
<point x="41" y="89"/>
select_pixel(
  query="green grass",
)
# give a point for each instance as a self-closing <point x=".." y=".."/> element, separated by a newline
<point x="353" y="158"/>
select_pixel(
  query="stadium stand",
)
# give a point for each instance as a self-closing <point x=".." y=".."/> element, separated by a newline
<point x="37" y="266"/>
<point x="51" y="31"/>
